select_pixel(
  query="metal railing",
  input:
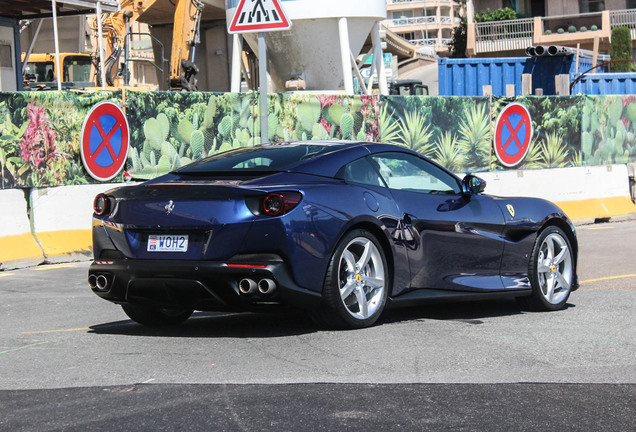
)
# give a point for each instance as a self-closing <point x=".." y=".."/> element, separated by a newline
<point x="518" y="34"/>
<point x="425" y="20"/>
<point x="503" y="35"/>
<point x="424" y="42"/>
<point x="624" y="18"/>
<point x="438" y="43"/>
<point x="410" y="1"/>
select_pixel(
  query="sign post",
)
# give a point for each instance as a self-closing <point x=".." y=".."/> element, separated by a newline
<point x="262" y="91"/>
<point x="260" y="16"/>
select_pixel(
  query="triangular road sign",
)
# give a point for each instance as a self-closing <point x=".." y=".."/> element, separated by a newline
<point x="259" y="16"/>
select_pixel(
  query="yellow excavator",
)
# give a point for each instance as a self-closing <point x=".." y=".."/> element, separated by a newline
<point x="40" y="69"/>
<point x="185" y="35"/>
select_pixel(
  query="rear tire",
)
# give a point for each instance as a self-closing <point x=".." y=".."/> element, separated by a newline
<point x="356" y="285"/>
<point x="151" y="316"/>
<point x="551" y="271"/>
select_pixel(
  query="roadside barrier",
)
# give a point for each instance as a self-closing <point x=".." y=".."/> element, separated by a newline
<point x="586" y="194"/>
<point x="59" y="228"/>
<point x="18" y="247"/>
<point x="62" y="220"/>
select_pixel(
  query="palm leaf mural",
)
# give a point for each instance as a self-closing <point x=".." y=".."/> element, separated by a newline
<point x="415" y="134"/>
<point x="554" y="151"/>
<point x="388" y="126"/>
<point x="474" y="138"/>
<point x="447" y="152"/>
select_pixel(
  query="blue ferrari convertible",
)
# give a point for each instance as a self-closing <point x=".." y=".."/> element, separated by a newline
<point x="341" y="230"/>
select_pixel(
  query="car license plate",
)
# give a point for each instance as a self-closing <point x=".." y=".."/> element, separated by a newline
<point x="167" y="243"/>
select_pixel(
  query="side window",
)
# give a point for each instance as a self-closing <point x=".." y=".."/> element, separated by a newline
<point x="361" y="171"/>
<point x="411" y="173"/>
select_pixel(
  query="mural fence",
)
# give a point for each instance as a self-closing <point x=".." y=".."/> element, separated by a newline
<point x="40" y="131"/>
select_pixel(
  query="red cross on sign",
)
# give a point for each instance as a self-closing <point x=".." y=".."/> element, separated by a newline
<point x="513" y="133"/>
<point x="105" y="139"/>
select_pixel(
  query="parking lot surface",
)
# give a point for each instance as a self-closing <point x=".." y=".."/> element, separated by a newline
<point x="69" y="360"/>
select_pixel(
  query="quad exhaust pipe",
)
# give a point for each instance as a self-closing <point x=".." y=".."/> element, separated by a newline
<point x="266" y="286"/>
<point x="247" y="286"/>
<point x="99" y="282"/>
<point x="102" y="282"/>
<point x="263" y="286"/>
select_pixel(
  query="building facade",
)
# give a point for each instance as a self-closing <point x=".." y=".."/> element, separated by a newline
<point x="584" y="24"/>
<point x="424" y="23"/>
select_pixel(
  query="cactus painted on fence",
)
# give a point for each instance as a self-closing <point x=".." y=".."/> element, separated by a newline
<point x="608" y="132"/>
<point x="311" y="117"/>
<point x="184" y="131"/>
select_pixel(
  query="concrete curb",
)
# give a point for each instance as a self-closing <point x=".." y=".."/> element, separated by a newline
<point x="18" y="246"/>
<point x="62" y="220"/>
<point x="586" y="194"/>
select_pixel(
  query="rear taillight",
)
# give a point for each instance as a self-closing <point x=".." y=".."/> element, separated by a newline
<point x="279" y="203"/>
<point x="101" y="205"/>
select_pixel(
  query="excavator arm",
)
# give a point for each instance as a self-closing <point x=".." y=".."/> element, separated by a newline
<point x="185" y="36"/>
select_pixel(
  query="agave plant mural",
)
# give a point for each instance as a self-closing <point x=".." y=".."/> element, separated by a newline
<point x="533" y="158"/>
<point x="475" y="138"/>
<point x="554" y="152"/>
<point x="389" y="127"/>
<point x="415" y="134"/>
<point x="447" y="153"/>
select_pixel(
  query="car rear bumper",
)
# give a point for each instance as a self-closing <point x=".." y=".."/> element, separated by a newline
<point x="200" y="285"/>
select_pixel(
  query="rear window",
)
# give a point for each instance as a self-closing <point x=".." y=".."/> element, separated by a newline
<point x="268" y="158"/>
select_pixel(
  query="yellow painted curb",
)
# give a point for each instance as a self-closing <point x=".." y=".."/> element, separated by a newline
<point x="598" y="208"/>
<point x="19" y="247"/>
<point x="56" y="243"/>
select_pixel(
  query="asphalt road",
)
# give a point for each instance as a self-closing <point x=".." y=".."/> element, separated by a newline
<point x="71" y="361"/>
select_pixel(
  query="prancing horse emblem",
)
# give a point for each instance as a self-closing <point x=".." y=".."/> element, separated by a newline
<point x="169" y="207"/>
<point x="510" y="208"/>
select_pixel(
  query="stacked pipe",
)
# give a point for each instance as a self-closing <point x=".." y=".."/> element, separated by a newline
<point x="555" y="50"/>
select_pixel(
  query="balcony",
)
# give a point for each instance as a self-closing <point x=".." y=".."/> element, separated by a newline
<point x="428" y="2"/>
<point x="439" y="44"/>
<point x="624" y="18"/>
<point x="431" y="21"/>
<point x="568" y="30"/>
<point x="496" y="36"/>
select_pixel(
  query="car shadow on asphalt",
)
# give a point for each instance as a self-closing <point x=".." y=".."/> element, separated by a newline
<point x="471" y="312"/>
<point x="218" y="325"/>
<point x="268" y="325"/>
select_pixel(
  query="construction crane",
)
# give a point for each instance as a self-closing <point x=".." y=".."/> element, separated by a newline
<point x="185" y="37"/>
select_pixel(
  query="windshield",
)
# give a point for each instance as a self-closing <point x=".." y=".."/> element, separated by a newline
<point x="266" y="158"/>
<point x="77" y="68"/>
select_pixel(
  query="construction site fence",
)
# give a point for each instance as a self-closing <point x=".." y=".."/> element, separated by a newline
<point x="40" y="132"/>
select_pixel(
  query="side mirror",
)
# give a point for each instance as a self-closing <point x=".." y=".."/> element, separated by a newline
<point x="473" y="184"/>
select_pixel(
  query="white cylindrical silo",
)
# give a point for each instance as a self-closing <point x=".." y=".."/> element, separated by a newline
<point x="312" y="48"/>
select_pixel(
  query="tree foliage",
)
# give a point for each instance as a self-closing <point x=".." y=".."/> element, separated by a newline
<point x="457" y="44"/>
<point x="501" y="14"/>
<point x="621" y="49"/>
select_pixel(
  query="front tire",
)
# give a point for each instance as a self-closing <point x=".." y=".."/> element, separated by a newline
<point x="551" y="271"/>
<point x="356" y="285"/>
<point x="151" y="316"/>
